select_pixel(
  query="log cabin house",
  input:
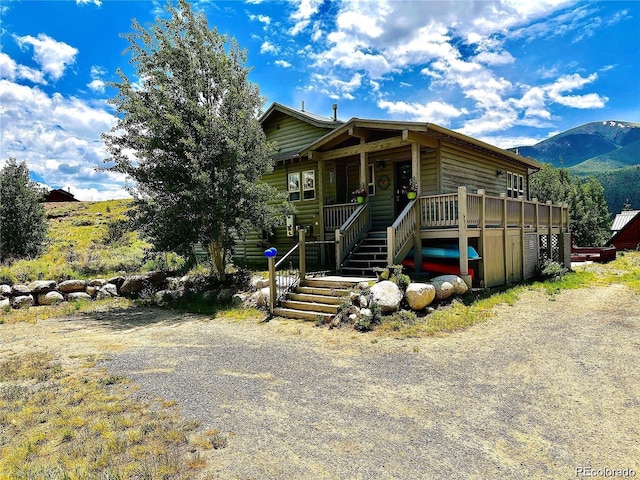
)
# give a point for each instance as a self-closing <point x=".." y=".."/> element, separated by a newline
<point x="471" y="215"/>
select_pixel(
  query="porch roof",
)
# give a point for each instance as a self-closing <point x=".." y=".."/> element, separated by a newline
<point x="424" y="133"/>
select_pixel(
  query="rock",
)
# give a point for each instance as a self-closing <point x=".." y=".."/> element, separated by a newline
<point x="362" y="285"/>
<point x="225" y="295"/>
<point x="458" y="283"/>
<point x="238" y="300"/>
<point x="20" y="290"/>
<point x="352" y="309"/>
<point x="210" y="296"/>
<point x="22" y="301"/>
<point x="97" y="282"/>
<point x="5" y="303"/>
<point x="419" y="295"/>
<point x="353" y="297"/>
<point x="156" y="277"/>
<point x="42" y="286"/>
<point x="363" y="301"/>
<point x="387" y="295"/>
<point x="69" y="286"/>
<point x="78" y="296"/>
<point x="50" y="298"/>
<point x="117" y="281"/>
<point x="165" y="297"/>
<point x="365" y="312"/>
<point x="91" y="290"/>
<point x="5" y="291"/>
<point x="132" y="286"/>
<point x="444" y="289"/>
<point x="353" y="317"/>
<point x="262" y="297"/>
<point x="107" y="291"/>
<point x="258" y="282"/>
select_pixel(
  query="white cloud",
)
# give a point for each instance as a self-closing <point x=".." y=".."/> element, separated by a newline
<point x="52" y="56"/>
<point x="58" y="136"/>
<point x="268" y="47"/>
<point x="432" y="112"/>
<point x="84" y="2"/>
<point x="302" y="16"/>
<point x="97" y="86"/>
<point x="283" y="63"/>
<point x="264" y="19"/>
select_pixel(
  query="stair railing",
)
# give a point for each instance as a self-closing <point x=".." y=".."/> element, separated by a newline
<point x="351" y="232"/>
<point x="400" y="234"/>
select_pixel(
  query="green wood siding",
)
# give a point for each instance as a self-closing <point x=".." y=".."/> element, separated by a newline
<point x="466" y="167"/>
<point x="291" y="134"/>
<point x="428" y="173"/>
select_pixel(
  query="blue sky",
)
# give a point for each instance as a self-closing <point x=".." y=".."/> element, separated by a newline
<point x="508" y="72"/>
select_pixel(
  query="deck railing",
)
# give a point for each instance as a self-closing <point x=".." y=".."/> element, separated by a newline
<point x="351" y="232"/>
<point x="336" y="215"/>
<point x="480" y="210"/>
<point x="400" y="234"/>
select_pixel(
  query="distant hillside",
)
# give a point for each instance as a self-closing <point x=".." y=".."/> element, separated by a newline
<point x="609" y="143"/>
<point x="609" y="150"/>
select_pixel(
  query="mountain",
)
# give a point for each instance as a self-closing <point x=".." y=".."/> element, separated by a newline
<point x="609" y="150"/>
<point x="607" y="144"/>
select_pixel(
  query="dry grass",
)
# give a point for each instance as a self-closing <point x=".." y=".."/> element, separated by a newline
<point x="84" y="424"/>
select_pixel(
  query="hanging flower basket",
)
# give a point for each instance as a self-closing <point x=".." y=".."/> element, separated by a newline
<point x="359" y="194"/>
<point x="411" y="190"/>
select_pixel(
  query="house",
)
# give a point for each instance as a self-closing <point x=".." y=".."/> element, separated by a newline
<point x="472" y="214"/>
<point x="60" y="195"/>
<point x="625" y="230"/>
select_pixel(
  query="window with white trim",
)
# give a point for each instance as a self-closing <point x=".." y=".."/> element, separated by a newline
<point x="294" y="187"/>
<point x="515" y="185"/>
<point x="308" y="185"/>
<point x="371" y="180"/>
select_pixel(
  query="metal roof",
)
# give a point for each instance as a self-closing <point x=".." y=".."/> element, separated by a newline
<point x="622" y="219"/>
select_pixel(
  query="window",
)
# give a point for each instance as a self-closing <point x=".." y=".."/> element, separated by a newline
<point x="515" y="185"/>
<point x="371" y="180"/>
<point x="294" y="187"/>
<point x="308" y="185"/>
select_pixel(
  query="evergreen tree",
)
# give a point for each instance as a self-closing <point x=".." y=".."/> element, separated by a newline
<point x="188" y="135"/>
<point x="588" y="212"/>
<point x="23" y="221"/>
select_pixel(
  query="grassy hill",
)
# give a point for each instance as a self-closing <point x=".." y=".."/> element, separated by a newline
<point x="87" y="240"/>
<point x="609" y="150"/>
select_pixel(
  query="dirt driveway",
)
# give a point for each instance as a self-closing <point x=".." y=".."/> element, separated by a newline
<point x="546" y="387"/>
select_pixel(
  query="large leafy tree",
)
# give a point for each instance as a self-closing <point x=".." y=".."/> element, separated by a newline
<point x="589" y="214"/>
<point x="188" y="135"/>
<point x="23" y="221"/>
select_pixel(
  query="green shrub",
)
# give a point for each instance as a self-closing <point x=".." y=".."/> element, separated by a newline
<point x="552" y="270"/>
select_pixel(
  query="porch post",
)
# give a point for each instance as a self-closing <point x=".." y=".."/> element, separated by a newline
<point x="302" y="250"/>
<point x="338" y="251"/>
<point x="463" y="241"/>
<point x="364" y="158"/>
<point x="272" y="283"/>
<point x="321" y="200"/>
<point x="483" y="233"/>
<point x="415" y="165"/>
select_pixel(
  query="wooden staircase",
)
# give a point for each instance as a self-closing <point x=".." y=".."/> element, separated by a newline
<point x="370" y="253"/>
<point x="317" y="299"/>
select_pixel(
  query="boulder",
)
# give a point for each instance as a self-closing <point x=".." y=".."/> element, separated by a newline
<point x="117" y="281"/>
<point x="444" y="289"/>
<point x="69" y="286"/>
<point x="4" y="303"/>
<point x="165" y="297"/>
<point x="42" y="286"/>
<point x="22" y="301"/>
<point x="155" y="278"/>
<point x="20" y="290"/>
<point x="97" y="282"/>
<point x="5" y="291"/>
<point x="238" y="299"/>
<point x="78" y="296"/>
<point x="258" y="282"/>
<point x="387" y="295"/>
<point x="262" y="297"/>
<point x="91" y="290"/>
<point x="107" y="291"/>
<point x="458" y="283"/>
<point x="132" y="286"/>
<point x="363" y="301"/>
<point x="50" y="298"/>
<point x="420" y="295"/>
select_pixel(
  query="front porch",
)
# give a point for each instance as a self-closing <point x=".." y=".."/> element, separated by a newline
<point x="511" y="235"/>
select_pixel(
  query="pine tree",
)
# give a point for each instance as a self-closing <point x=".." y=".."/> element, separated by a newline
<point x="23" y="221"/>
<point x="189" y="136"/>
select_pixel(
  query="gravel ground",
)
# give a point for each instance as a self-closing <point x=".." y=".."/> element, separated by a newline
<point x="547" y="386"/>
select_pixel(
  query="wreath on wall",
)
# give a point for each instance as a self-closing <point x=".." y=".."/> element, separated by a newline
<point x="384" y="182"/>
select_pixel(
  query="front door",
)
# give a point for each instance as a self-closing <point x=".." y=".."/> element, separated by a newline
<point x="401" y="178"/>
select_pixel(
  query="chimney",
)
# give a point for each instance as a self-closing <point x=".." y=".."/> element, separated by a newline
<point x="302" y="108"/>
<point x="334" y="106"/>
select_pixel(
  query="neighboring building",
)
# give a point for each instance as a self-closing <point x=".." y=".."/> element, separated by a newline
<point x="320" y="161"/>
<point x="625" y="230"/>
<point x="60" y="195"/>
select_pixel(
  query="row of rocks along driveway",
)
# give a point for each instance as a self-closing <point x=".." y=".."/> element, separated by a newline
<point x="545" y="387"/>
